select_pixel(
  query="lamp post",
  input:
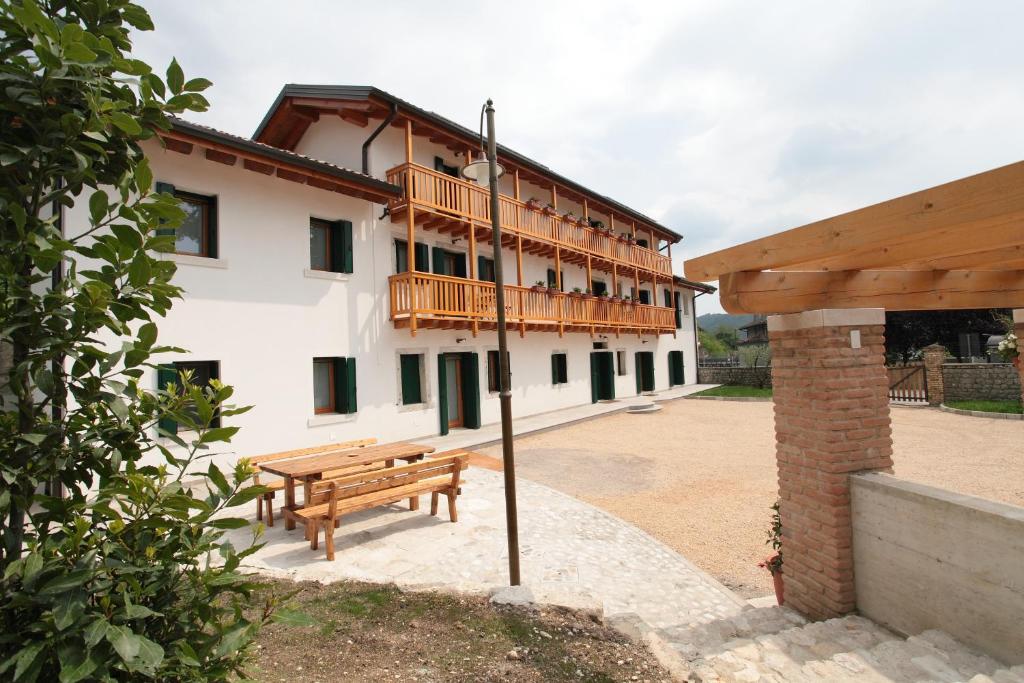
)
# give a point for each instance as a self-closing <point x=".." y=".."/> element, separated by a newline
<point x="488" y="171"/>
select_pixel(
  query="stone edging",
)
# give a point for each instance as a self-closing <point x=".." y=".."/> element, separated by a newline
<point x="740" y="399"/>
<point x="981" y="413"/>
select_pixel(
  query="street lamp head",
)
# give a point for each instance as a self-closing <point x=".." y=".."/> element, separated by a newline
<point x="478" y="171"/>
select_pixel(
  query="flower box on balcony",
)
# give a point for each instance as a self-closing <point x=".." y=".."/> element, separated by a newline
<point x="549" y="210"/>
<point x="553" y="290"/>
<point x="533" y="204"/>
<point x="539" y="287"/>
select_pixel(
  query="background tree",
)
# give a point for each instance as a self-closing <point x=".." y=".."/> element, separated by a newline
<point x="907" y="332"/>
<point x="115" y="580"/>
<point x="710" y="344"/>
<point x="728" y="337"/>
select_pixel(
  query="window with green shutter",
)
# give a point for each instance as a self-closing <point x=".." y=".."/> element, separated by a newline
<point x="411" y="370"/>
<point x="334" y="385"/>
<point x="559" y="368"/>
<point x="485" y="269"/>
<point x="330" y="245"/>
<point x="422" y="252"/>
<point x="197" y="233"/>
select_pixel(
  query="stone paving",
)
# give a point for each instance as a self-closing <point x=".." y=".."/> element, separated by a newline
<point x="775" y="644"/>
<point x="572" y="553"/>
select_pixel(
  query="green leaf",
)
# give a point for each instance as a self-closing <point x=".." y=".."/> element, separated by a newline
<point x="68" y="608"/>
<point x="77" y="52"/>
<point x="138" y="17"/>
<point x="230" y="523"/>
<point x="218" y="434"/>
<point x="65" y="582"/>
<point x="125" y="122"/>
<point x="98" y="204"/>
<point x="197" y="85"/>
<point x="218" y="479"/>
<point x="95" y="631"/>
<point x="143" y="176"/>
<point x="175" y="77"/>
<point x="125" y="642"/>
<point x="127" y="235"/>
<point x="150" y="654"/>
<point x="139" y="271"/>
<point x="26" y="659"/>
<point x="77" y="665"/>
<point x="292" y="617"/>
<point x="147" y="335"/>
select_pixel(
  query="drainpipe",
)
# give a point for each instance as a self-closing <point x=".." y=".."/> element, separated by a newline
<point x="369" y="141"/>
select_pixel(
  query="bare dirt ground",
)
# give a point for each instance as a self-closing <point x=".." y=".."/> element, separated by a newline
<point x="370" y="632"/>
<point x="700" y="475"/>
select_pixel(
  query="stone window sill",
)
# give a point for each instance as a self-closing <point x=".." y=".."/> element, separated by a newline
<point x="330" y="419"/>
<point x="202" y="261"/>
<point x="325" y="275"/>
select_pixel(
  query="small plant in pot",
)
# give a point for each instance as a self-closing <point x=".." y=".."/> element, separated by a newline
<point x="533" y="203"/>
<point x="550" y="210"/>
<point x="571" y="218"/>
<point x="629" y="300"/>
<point x="587" y="294"/>
<point x="773" y="563"/>
<point x="576" y="292"/>
<point x="539" y="286"/>
<point x="599" y="225"/>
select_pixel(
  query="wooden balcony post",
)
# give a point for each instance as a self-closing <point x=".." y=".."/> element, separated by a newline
<point x="590" y="276"/>
<point x="634" y="230"/>
<point x="671" y="289"/>
<point x="615" y="279"/>
<point x="636" y="281"/>
<point x="473" y="275"/>
<point x="554" y="197"/>
<point x="519" y="260"/>
<point x="515" y="184"/>
<point x="558" y="268"/>
<point x="586" y="211"/>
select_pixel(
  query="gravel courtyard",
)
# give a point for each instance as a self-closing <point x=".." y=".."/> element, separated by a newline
<point x="700" y="475"/>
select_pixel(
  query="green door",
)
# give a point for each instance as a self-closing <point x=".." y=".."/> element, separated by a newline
<point x="602" y="376"/>
<point x="644" y="371"/>
<point x="676" y="374"/>
<point x="468" y="386"/>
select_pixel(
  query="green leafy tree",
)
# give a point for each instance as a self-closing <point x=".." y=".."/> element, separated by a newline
<point x="127" y="575"/>
<point x="727" y="336"/>
<point x="711" y="344"/>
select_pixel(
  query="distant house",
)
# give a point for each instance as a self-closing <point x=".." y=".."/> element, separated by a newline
<point x="754" y="332"/>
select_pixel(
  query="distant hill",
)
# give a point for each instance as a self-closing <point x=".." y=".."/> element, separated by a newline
<point x="712" y="322"/>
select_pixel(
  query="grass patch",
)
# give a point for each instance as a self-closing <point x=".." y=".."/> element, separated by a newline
<point x="737" y="391"/>
<point x="371" y="632"/>
<point x="1012" y="407"/>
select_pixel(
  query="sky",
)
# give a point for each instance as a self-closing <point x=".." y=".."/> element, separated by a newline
<point x="725" y="121"/>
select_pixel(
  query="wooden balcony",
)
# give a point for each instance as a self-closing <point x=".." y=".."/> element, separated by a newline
<point x="449" y="204"/>
<point x="424" y="300"/>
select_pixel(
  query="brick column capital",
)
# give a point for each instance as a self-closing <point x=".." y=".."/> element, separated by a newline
<point x="831" y="394"/>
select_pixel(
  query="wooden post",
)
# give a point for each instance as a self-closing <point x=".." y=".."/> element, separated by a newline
<point x="519" y="260"/>
<point x="515" y="185"/>
<point x="586" y="211"/>
<point x="615" y="280"/>
<point x="410" y="253"/>
<point x="590" y="289"/>
<point x="634" y="230"/>
<point x="590" y="276"/>
<point x="554" y="197"/>
<point x="636" y="283"/>
<point x="558" y="286"/>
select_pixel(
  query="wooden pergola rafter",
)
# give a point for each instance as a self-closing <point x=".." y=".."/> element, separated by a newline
<point x="957" y="245"/>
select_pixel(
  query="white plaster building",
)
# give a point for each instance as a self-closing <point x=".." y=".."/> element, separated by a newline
<point x="296" y="290"/>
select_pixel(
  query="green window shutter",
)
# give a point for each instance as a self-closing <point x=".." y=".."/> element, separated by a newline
<point x="668" y="298"/>
<point x="470" y="391"/>
<point x="563" y="368"/>
<point x="344" y="385"/>
<point x="551" y="277"/>
<point x="440" y="262"/>
<point x="401" y="264"/>
<point x="554" y="368"/>
<point x="481" y="268"/>
<point x="165" y="188"/>
<point x="439" y="164"/>
<point x="167" y="374"/>
<point x="212" y="238"/>
<point x="442" y="393"/>
<point x="341" y="246"/>
<point x="411" y="390"/>
<point x="594" y="377"/>
<point x="422" y="257"/>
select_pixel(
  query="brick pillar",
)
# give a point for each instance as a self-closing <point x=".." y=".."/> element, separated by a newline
<point x="831" y="419"/>
<point x="934" y="357"/>
<point x="1018" y="329"/>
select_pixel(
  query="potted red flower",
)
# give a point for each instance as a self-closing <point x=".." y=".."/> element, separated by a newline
<point x="773" y="563"/>
<point x="550" y="210"/>
<point x="533" y="204"/>
<point x="539" y="286"/>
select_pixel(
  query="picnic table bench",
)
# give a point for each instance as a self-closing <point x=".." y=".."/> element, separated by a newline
<point x="279" y="484"/>
<point x="313" y="468"/>
<point x="329" y="499"/>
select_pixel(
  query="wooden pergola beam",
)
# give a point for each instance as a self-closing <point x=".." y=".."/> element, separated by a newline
<point x="895" y="290"/>
<point x="1006" y="258"/>
<point x="970" y="203"/>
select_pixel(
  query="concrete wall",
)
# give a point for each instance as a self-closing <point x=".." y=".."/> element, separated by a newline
<point x="925" y="558"/>
<point x="981" y="381"/>
<point x="738" y="376"/>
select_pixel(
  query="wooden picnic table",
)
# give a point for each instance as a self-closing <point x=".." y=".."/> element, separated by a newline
<point x="312" y="468"/>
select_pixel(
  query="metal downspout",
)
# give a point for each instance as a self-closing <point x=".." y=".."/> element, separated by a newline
<point x="369" y="141"/>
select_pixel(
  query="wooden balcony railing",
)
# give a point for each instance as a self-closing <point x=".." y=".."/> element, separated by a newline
<point x="453" y="299"/>
<point x="444" y="194"/>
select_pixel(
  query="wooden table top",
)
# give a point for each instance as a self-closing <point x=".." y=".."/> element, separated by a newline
<point x="316" y="464"/>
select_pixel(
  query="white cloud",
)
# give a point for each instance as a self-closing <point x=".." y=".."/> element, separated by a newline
<point x="725" y="120"/>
